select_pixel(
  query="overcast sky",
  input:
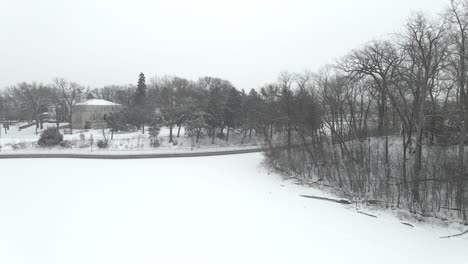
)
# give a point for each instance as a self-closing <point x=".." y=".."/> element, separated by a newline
<point x="99" y="42"/>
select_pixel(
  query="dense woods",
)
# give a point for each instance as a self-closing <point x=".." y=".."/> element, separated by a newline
<point x="387" y="123"/>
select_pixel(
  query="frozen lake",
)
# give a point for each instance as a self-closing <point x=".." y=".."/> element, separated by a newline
<point x="225" y="209"/>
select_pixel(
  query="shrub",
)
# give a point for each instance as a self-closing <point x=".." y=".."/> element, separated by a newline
<point x="221" y="135"/>
<point x="102" y="144"/>
<point x="66" y="144"/>
<point x="155" y="143"/>
<point x="84" y="144"/>
<point x="50" y="137"/>
<point x="21" y="145"/>
<point x="153" y="135"/>
<point x="82" y="137"/>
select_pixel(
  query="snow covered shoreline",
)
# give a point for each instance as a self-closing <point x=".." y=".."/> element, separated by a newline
<point x="128" y="154"/>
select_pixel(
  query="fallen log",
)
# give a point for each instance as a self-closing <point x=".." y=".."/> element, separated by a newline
<point x="408" y="224"/>
<point x="371" y="215"/>
<point x="340" y="201"/>
<point x="456" y="235"/>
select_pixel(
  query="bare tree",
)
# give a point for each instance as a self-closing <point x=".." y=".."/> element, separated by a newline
<point x="426" y="48"/>
<point x="457" y="15"/>
<point x="378" y="60"/>
<point x="70" y="93"/>
<point x="285" y="84"/>
<point x="33" y="97"/>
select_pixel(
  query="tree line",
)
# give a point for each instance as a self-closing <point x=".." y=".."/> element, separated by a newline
<point x="208" y="107"/>
<point x="394" y="115"/>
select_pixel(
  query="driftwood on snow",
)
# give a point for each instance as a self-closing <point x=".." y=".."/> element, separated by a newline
<point x="456" y="235"/>
<point x="408" y="224"/>
<point x="341" y="201"/>
<point x="371" y="215"/>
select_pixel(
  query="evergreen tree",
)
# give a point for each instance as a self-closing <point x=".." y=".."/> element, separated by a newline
<point x="140" y="109"/>
<point x="141" y="88"/>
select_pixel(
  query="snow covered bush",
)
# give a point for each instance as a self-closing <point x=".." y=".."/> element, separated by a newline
<point x="155" y="143"/>
<point x="84" y="144"/>
<point x="50" y="137"/>
<point x="102" y="144"/>
<point x="66" y="144"/>
<point x="21" y="145"/>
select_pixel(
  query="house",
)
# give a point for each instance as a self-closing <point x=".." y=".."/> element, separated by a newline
<point x="93" y="113"/>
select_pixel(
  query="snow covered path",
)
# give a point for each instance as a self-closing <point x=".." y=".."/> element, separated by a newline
<point x="224" y="209"/>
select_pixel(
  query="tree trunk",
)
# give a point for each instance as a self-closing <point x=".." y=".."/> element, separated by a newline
<point x="227" y="134"/>
<point x="404" y="169"/>
<point x="464" y="127"/>
<point x="178" y="130"/>
<point x="170" y="133"/>
<point x="461" y="150"/>
<point x="419" y="124"/>
<point x="213" y="135"/>
<point x="70" y="120"/>
<point x="381" y="114"/>
<point x="37" y="123"/>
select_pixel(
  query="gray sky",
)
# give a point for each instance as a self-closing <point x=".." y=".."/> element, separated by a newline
<point x="99" y="42"/>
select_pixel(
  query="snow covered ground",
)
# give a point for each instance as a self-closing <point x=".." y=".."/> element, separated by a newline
<point x="24" y="141"/>
<point x="29" y="134"/>
<point x="225" y="209"/>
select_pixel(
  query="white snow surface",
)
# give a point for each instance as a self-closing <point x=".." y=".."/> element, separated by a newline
<point x="226" y="209"/>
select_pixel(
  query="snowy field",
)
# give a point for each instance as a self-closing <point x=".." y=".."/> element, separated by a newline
<point x="24" y="141"/>
<point x="225" y="209"/>
<point x="15" y="135"/>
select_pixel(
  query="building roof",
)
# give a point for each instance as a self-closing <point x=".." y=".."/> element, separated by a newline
<point x="97" y="102"/>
